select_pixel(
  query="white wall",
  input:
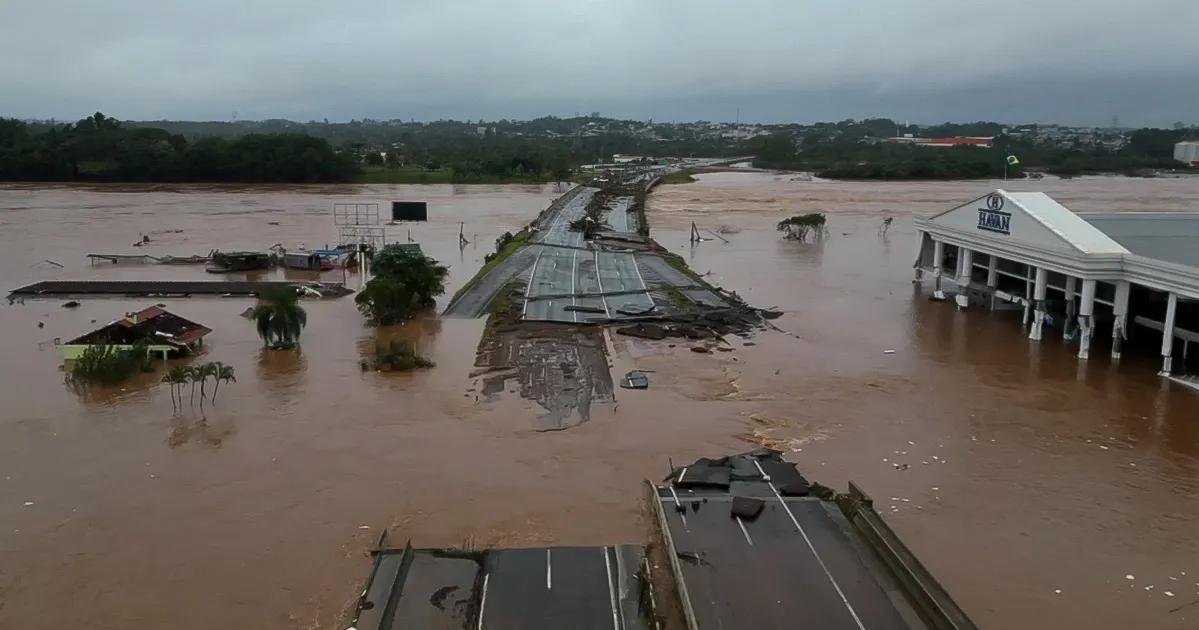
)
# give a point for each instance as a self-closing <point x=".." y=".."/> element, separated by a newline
<point x="1023" y="227"/>
<point x="1187" y="152"/>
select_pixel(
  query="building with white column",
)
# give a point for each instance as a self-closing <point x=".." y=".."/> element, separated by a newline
<point x="1120" y="275"/>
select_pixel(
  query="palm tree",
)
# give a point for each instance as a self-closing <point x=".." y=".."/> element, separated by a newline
<point x="192" y="374"/>
<point x="166" y="378"/>
<point x="176" y="377"/>
<point x="206" y="370"/>
<point x="279" y="318"/>
<point x="225" y="374"/>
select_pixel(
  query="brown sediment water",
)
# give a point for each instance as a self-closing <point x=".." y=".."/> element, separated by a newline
<point x="1043" y="475"/>
<point x="1031" y="484"/>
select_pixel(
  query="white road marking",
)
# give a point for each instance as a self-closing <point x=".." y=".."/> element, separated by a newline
<point x="679" y="506"/>
<point x="643" y="286"/>
<point x="744" y="531"/>
<point x="812" y="548"/>
<point x="600" y="280"/>
<point x="483" y="599"/>
<point x="549" y="575"/>
<point x="574" y="273"/>
<point x="532" y="278"/>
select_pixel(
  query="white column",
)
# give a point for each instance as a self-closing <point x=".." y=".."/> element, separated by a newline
<point x="1120" y="323"/>
<point x="920" y="236"/>
<point x="992" y="278"/>
<point x="1086" y="318"/>
<point x="1071" y="306"/>
<point x="938" y="261"/>
<point x="1038" y="299"/>
<point x="1028" y="272"/>
<point x="965" y="267"/>
<point x="1168" y="335"/>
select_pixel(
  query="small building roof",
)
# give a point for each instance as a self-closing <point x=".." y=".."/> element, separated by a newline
<point x="152" y="324"/>
<point x="1169" y="236"/>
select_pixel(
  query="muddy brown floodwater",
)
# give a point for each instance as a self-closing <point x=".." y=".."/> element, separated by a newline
<point x="1043" y="475"/>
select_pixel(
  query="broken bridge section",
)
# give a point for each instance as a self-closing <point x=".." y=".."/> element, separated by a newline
<point x="563" y="368"/>
<point x="751" y="549"/>
<point x="550" y="588"/>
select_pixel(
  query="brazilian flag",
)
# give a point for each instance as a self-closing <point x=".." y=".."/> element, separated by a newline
<point x="1013" y="160"/>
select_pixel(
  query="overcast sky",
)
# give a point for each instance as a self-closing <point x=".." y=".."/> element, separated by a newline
<point x="1071" y="61"/>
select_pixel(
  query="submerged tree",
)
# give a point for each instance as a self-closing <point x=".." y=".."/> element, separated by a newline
<point x="108" y="364"/>
<point x="397" y="354"/>
<point x="404" y="282"/>
<point x="279" y="318"/>
<point x="193" y="376"/>
<point x="224" y="375"/>
<point x="176" y="377"/>
<point x="798" y="227"/>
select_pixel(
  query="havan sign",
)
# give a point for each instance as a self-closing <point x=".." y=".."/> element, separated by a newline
<point x="993" y="218"/>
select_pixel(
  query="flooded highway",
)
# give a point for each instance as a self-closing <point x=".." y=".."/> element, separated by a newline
<point x="1030" y="484"/>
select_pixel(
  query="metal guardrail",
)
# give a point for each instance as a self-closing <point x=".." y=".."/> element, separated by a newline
<point x="675" y="568"/>
<point x="930" y="599"/>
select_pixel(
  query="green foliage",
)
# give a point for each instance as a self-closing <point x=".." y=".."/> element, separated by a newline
<point x="799" y="226"/>
<point x="811" y="220"/>
<point x="221" y="374"/>
<point x="279" y="318"/>
<point x="540" y="150"/>
<point x="102" y="149"/>
<point x="684" y="176"/>
<point x="854" y="150"/>
<point x="398" y="354"/>
<point x="103" y="363"/>
<point x="386" y="301"/>
<point x="402" y="175"/>
<point x="403" y="283"/>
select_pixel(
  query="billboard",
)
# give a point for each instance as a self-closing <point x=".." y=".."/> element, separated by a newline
<point x="409" y="211"/>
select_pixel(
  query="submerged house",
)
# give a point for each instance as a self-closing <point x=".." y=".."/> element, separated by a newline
<point x="164" y="333"/>
<point x="306" y="260"/>
<point x="227" y="262"/>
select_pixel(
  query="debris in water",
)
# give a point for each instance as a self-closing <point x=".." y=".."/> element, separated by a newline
<point x="635" y="380"/>
<point x="28" y="503"/>
<point x="747" y="508"/>
<point x="1169" y="593"/>
<point x="700" y="349"/>
<point x="1130" y="577"/>
<point x="70" y="304"/>
<point x="1057" y="591"/>
<point x="580" y="308"/>
<point x="888" y="352"/>
<point x="644" y="331"/>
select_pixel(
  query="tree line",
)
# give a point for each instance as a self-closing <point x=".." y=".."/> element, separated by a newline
<point x="853" y="150"/>
<point x="100" y="148"/>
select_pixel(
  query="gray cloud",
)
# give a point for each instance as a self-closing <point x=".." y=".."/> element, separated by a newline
<point x="930" y="60"/>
